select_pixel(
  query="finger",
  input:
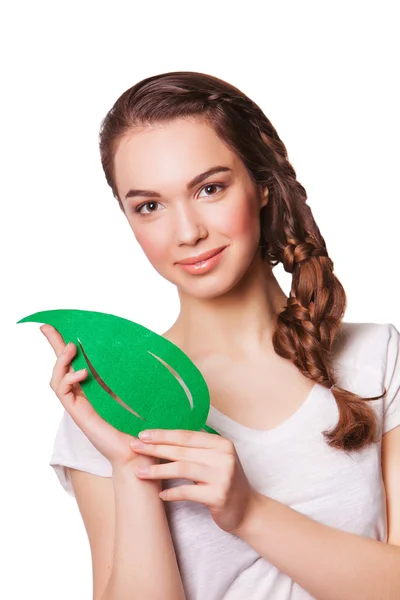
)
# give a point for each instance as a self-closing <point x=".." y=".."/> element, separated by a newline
<point x="66" y="391"/>
<point x="193" y="493"/>
<point x="63" y="365"/>
<point x="56" y="341"/>
<point x="178" y="470"/>
<point x="184" y="437"/>
<point x="202" y="456"/>
<point x="54" y="337"/>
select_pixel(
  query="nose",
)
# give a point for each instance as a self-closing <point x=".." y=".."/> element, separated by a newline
<point x="188" y="224"/>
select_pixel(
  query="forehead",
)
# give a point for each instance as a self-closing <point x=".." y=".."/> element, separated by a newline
<point x="160" y="156"/>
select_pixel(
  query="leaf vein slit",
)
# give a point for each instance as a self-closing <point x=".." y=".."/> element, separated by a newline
<point x="105" y="387"/>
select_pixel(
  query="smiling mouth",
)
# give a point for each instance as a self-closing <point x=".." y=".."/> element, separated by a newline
<point x="197" y="260"/>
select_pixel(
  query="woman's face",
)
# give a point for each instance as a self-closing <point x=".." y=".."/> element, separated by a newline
<point x="173" y="220"/>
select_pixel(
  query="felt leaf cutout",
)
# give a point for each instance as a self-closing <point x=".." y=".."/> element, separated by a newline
<point x="136" y="378"/>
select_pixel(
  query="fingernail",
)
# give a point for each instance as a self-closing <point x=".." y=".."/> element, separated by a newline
<point x="142" y="470"/>
<point x="145" y="435"/>
<point x="137" y="444"/>
<point x="66" y="347"/>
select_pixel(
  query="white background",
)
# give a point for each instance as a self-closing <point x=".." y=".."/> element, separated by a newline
<point x="326" y="74"/>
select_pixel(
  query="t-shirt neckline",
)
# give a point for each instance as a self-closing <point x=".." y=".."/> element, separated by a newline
<point x="229" y="427"/>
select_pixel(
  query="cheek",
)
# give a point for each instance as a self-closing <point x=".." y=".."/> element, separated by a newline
<point x="241" y="222"/>
<point x="154" y="243"/>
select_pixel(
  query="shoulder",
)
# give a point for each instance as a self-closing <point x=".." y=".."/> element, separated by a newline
<point x="366" y="349"/>
<point x="365" y="338"/>
<point x="366" y="361"/>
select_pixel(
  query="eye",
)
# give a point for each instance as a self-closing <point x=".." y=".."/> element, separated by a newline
<point x="138" y="209"/>
<point x="213" y="185"/>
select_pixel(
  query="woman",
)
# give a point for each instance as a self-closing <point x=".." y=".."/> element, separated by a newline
<point x="299" y="496"/>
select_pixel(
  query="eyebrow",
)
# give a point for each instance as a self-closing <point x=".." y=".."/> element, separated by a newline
<point x="195" y="181"/>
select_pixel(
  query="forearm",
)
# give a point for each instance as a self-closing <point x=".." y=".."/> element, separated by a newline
<point x="328" y="563"/>
<point x="144" y="563"/>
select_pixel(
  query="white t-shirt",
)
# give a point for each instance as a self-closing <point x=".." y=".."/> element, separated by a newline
<point x="290" y="463"/>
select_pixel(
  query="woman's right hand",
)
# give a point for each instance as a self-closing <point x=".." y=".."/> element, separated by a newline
<point x="108" y="440"/>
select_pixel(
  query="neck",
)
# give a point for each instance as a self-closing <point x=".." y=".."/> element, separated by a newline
<point x="240" y="321"/>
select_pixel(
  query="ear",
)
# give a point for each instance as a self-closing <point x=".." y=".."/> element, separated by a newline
<point x="264" y="197"/>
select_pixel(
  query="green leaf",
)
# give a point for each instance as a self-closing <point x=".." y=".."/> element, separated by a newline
<point x="137" y="379"/>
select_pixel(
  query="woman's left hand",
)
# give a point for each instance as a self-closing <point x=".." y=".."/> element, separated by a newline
<point x="208" y="460"/>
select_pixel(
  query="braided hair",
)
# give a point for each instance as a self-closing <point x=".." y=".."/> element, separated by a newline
<point x="309" y="324"/>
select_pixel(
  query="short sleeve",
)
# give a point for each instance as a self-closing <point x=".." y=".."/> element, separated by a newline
<point x="73" y="449"/>
<point x="391" y="407"/>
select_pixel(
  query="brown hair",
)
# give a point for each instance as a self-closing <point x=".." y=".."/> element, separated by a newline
<point x="307" y="327"/>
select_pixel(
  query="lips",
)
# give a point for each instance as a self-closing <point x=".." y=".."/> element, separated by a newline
<point x="192" y="260"/>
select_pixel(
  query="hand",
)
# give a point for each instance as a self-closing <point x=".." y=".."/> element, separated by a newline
<point x="111" y="442"/>
<point x="211" y="462"/>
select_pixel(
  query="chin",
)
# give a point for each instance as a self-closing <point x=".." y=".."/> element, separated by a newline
<point x="207" y="287"/>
